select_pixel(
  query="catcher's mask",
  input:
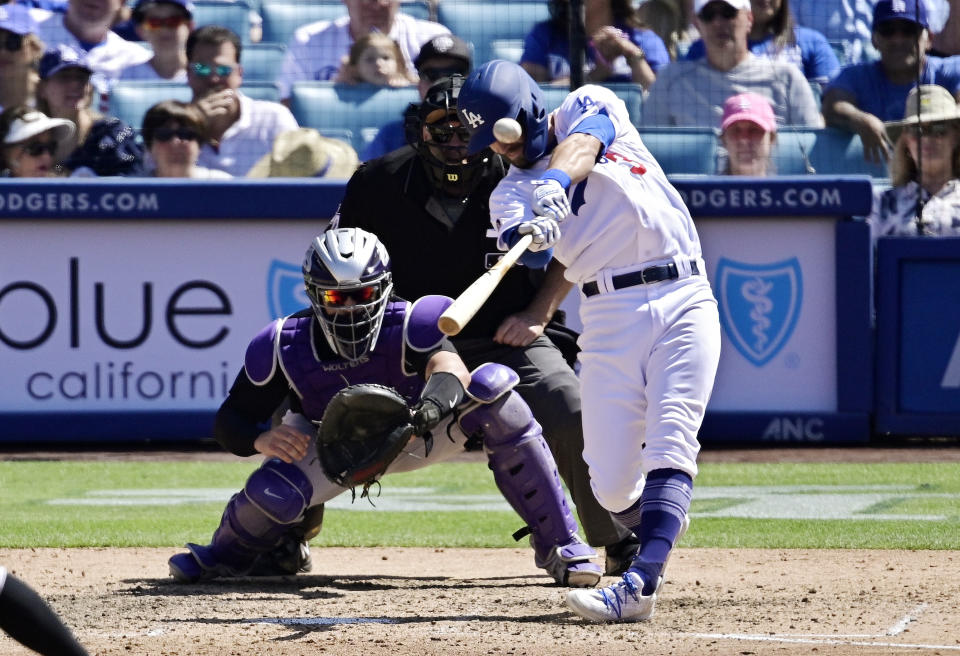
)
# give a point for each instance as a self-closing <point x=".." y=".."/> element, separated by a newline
<point x="444" y="147"/>
<point x="347" y="277"/>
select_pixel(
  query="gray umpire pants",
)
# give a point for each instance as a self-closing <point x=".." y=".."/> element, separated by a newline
<point x="552" y="390"/>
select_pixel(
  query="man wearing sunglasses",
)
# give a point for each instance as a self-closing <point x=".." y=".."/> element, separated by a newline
<point x="316" y="49"/>
<point x="20" y="50"/>
<point x="85" y="27"/>
<point x="442" y="56"/>
<point x="240" y="130"/>
<point x="431" y="197"/>
<point x="165" y="25"/>
<point x="692" y="93"/>
<point x="863" y="96"/>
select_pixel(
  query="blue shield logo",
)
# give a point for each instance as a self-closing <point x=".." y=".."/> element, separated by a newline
<point x="285" y="292"/>
<point x="759" y="305"/>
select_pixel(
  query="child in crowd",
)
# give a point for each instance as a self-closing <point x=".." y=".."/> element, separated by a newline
<point x="376" y="59"/>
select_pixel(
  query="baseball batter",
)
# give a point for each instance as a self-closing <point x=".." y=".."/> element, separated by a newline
<point x="651" y="331"/>
<point x="357" y="334"/>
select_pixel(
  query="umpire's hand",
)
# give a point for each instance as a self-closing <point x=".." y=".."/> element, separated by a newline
<point x="284" y="442"/>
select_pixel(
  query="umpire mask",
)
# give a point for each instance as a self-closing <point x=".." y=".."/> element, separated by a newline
<point x="441" y="141"/>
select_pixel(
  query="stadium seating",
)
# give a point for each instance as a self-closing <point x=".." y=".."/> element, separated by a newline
<point x="361" y="109"/>
<point x="234" y="14"/>
<point x="630" y="94"/>
<point x="827" y="150"/>
<point x="484" y="22"/>
<point x="130" y="100"/>
<point x="281" y="18"/>
<point x="683" y="150"/>
<point x="261" y="61"/>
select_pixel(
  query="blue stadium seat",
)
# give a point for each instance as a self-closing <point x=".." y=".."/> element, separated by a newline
<point x="261" y="61"/>
<point x="362" y="109"/>
<point x="483" y="22"/>
<point x="281" y="18"/>
<point x="827" y="150"/>
<point x="130" y="99"/>
<point x="683" y="150"/>
<point x="234" y="14"/>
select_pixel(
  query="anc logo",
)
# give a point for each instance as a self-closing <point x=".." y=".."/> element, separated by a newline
<point x="759" y="305"/>
<point x="285" y="292"/>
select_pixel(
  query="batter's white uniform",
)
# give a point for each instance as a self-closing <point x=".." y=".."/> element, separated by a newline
<point x="650" y="351"/>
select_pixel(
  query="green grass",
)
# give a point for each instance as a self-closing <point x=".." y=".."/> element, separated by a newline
<point x="28" y="519"/>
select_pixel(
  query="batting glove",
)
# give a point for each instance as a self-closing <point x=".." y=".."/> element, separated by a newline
<point x="545" y="231"/>
<point x="549" y="196"/>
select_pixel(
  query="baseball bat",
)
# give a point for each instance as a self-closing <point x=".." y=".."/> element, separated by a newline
<point x="467" y="303"/>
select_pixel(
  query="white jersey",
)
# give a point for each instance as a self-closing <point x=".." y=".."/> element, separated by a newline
<point x="625" y="213"/>
<point x="107" y="58"/>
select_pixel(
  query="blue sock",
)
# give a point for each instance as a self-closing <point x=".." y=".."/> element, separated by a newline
<point x="656" y="519"/>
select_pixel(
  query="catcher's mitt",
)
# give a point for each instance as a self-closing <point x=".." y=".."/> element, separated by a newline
<point x="364" y="428"/>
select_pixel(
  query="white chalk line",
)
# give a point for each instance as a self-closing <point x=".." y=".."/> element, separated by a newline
<point x="851" y="639"/>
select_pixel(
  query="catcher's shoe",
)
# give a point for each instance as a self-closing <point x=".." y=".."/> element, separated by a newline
<point x="185" y="568"/>
<point x="570" y="564"/>
<point x="621" y="602"/>
<point x="620" y="555"/>
<point x="199" y="565"/>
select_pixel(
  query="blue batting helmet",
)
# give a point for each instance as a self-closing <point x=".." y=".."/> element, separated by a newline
<point x="500" y="89"/>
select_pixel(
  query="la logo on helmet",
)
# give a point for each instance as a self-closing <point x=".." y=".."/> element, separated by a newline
<point x="475" y="120"/>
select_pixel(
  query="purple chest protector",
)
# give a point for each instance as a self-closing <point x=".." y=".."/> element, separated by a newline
<point x="316" y="378"/>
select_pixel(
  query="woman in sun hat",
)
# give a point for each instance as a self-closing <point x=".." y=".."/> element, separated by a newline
<point x="925" y="168"/>
<point x="305" y="153"/>
<point x="748" y="132"/>
<point x="29" y="141"/>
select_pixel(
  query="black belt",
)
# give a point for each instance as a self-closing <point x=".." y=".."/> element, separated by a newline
<point x="642" y="277"/>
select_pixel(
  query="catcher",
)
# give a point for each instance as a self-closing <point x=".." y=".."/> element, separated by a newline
<point x="391" y="395"/>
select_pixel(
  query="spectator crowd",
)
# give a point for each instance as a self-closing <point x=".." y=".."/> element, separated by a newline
<point x="745" y="69"/>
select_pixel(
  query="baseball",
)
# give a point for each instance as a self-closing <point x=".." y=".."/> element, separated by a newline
<point x="507" y="131"/>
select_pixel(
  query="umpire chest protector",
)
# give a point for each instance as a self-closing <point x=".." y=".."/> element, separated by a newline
<point x="292" y="343"/>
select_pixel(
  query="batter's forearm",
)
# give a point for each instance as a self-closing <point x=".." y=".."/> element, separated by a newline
<point x="576" y="155"/>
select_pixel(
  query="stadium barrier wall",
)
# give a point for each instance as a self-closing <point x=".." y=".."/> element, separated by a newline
<point x="126" y="305"/>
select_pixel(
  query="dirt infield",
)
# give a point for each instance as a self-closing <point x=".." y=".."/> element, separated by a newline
<point x="407" y="602"/>
<point x="419" y="602"/>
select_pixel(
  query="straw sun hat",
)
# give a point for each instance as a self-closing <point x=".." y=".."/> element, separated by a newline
<point x="305" y="153"/>
<point x="936" y="105"/>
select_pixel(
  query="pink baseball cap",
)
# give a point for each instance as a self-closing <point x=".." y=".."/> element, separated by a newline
<point x="748" y="107"/>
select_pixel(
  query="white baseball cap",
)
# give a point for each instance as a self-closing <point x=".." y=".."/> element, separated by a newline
<point x="33" y="123"/>
<point x="736" y="4"/>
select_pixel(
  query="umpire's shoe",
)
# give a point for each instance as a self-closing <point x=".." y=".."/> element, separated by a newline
<point x="623" y="601"/>
<point x="620" y="555"/>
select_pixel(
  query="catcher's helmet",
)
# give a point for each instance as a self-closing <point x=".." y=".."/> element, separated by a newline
<point x="347" y="277"/>
<point x="501" y="89"/>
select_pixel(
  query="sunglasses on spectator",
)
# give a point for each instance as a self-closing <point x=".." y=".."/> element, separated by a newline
<point x="722" y="9"/>
<point x="931" y="130"/>
<point x="13" y="42"/>
<point x="442" y="134"/>
<point x="221" y="70"/>
<point x="903" y="28"/>
<point x="164" y="135"/>
<point x="38" y="148"/>
<point x="434" y="74"/>
<point x="359" y="295"/>
<point x="171" y="22"/>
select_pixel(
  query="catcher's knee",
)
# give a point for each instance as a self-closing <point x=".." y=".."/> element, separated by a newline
<point x="498" y="415"/>
<point x="279" y="490"/>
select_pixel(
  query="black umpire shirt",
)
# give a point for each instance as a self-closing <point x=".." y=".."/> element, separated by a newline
<point x="390" y="197"/>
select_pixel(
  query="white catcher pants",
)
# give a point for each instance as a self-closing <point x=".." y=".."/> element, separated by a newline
<point x="648" y="361"/>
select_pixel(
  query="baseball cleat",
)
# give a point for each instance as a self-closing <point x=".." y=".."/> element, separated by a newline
<point x="185" y="569"/>
<point x="570" y="564"/>
<point x="621" y="602"/>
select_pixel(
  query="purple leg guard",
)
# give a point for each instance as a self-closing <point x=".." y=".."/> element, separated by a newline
<point x="526" y="474"/>
<point x="256" y="519"/>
